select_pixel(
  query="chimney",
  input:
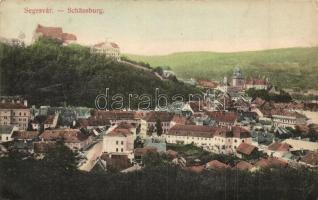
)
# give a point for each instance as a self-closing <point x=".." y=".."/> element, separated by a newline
<point x="25" y="103"/>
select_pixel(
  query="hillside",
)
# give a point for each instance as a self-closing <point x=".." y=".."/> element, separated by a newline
<point x="292" y="67"/>
<point x="48" y="73"/>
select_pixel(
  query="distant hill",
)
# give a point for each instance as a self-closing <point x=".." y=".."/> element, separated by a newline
<point x="48" y="73"/>
<point x="291" y="67"/>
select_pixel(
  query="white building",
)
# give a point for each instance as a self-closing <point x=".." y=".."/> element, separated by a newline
<point x="110" y="49"/>
<point x="119" y="141"/>
<point x="285" y="119"/>
<point x="6" y="132"/>
<point x="218" y="140"/>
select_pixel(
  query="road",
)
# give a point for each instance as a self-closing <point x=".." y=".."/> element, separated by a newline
<point x="92" y="154"/>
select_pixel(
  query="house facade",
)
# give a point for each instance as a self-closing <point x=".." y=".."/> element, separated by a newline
<point x="119" y="141"/>
<point x="15" y="113"/>
<point x="109" y="49"/>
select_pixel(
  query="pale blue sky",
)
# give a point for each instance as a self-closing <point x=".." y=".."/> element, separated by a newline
<point x="161" y="27"/>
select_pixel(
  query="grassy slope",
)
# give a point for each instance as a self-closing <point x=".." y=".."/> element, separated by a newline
<point x="293" y="67"/>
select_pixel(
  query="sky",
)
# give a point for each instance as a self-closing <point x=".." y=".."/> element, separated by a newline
<point x="153" y="27"/>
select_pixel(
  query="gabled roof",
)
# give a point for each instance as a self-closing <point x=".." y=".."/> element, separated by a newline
<point x="24" y="135"/>
<point x="277" y="146"/>
<point x="119" y="132"/>
<point x="68" y="135"/>
<point x="6" y="129"/>
<point x="271" y="163"/>
<point x="221" y="116"/>
<point x="245" y="148"/>
<point x="54" y="32"/>
<point x="9" y="105"/>
<point x="215" y="164"/>
<point x="243" y="165"/>
<point x="310" y="158"/>
<point x="195" y="169"/>
<point x="162" y="116"/>
<point x="193" y="130"/>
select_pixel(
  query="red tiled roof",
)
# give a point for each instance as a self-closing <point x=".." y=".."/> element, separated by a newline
<point x="310" y="158"/>
<point x="116" y="115"/>
<point x="114" y="45"/>
<point x="245" y="148"/>
<point x="215" y="164"/>
<point x="119" y="132"/>
<point x="195" y="169"/>
<point x="243" y="165"/>
<point x="207" y="83"/>
<point x="271" y="163"/>
<point x="221" y="116"/>
<point x="24" y="135"/>
<point x="43" y="146"/>
<point x="162" y="116"/>
<point x="181" y="120"/>
<point x="68" y="135"/>
<point x="68" y="36"/>
<point x="54" y="32"/>
<point x="9" y="105"/>
<point x="256" y="82"/>
<point x="193" y="130"/>
<point x="277" y="146"/>
<point x="144" y="151"/>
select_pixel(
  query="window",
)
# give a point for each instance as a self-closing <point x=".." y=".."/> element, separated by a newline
<point x="122" y="142"/>
<point x="122" y="150"/>
<point x="116" y="142"/>
<point x="116" y="149"/>
<point x="235" y="140"/>
<point x="7" y="138"/>
<point x="242" y="140"/>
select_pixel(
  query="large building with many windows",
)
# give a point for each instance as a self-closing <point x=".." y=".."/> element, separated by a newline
<point x="109" y="49"/>
<point x="15" y="112"/>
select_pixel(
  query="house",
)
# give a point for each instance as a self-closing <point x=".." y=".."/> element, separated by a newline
<point x="23" y="140"/>
<point x="151" y="119"/>
<point x="116" y="162"/>
<point x="215" y="139"/>
<point x="196" y="169"/>
<point x="50" y="122"/>
<point x="109" y="49"/>
<point x="193" y="108"/>
<point x="14" y="112"/>
<point x="278" y="149"/>
<point x="243" y="165"/>
<point x="216" y="165"/>
<point x="53" y="33"/>
<point x="140" y="153"/>
<point x="187" y="134"/>
<point x="310" y="159"/>
<point x="246" y="151"/>
<point x="301" y="145"/>
<point x="227" y="140"/>
<point x="6" y="132"/>
<point x="271" y="163"/>
<point x="223" y="119"/>
<point x="119" y="141"/>
<point x="117" y="116"/>
<point x="256" y="83"/>
<point x="285" y="118"/>
<point x="43" y="147"/>
<point x="73" y="138"/>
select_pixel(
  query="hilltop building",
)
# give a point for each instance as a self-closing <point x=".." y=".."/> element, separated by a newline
<point x="109" y="49"/>
<point x="54" y="33"/>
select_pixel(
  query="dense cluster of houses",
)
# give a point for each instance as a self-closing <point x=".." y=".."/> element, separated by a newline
<point x="258" y="132"/>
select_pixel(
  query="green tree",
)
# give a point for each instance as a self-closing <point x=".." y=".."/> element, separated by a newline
<point x="159" y="129"/>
